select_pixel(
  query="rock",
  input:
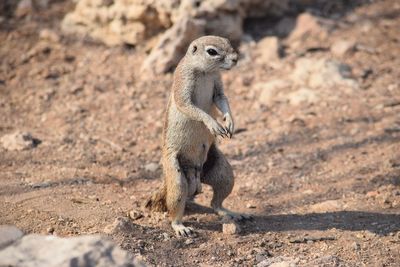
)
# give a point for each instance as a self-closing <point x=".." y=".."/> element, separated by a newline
<point x="172" y="45"/>
<point x="166" y="236"/>
<point x="251" y="206"/>
<point x="372" y="194"/>
<point x="303" y="95"/>
<point x="24" y="8"/>
<point x="50" y="251"/>
<point x="49" y="35"/>
<point x="245" y="50"/>
<point x="19" y="141"/>
<point x="323" y="73"/>
<point x="135" y="215"/>
<point x="278" y="262"/>
<point x="309" y="31"/>
<point x="284" y="26"/>
<point x="326" y="206"/>
<point x="136" y="22"/>
<point x="224" y="17"/>
<point x="230" y="228"/>
<point x="355" y="246"/>
<point x="131" y="34"/>
<point x="42" y="3"/>
<point x="120" y="225"/>
<point x="228" y="25"/>
<point x="282" y="264"/>
<point x="113" y="22"/>
<point x="8" y="235"/>
<point x="268" y="49"/>
<point x="341" y="48"/>
<point x="328" y="260"/>
<point x="310" y="239"/>
<point x="257" y="8"/>
<point x="270" y="90"/>
<point x="262" y="255"/>
<point x="230" y="253"/>
<point x="151" y="167"/>
<point x="189" y="241"/>
<point x="306" y="24"/>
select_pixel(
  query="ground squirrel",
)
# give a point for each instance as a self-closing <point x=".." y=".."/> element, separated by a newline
<point x="189" y="155"/>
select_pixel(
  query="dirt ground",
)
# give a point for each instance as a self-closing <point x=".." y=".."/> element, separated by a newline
<point x="322" y="179"/>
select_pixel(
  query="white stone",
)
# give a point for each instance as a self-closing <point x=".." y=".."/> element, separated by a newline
<point x="151" y="167"/>
<point x="231" y="228"/>
<point x="120" y="225"/>
<point x="303" y="95"/>
<point x="326" y="206"/>
<point x="322" y="73"/>
<point x="8" y="235"/>
<point x="268" y="50"/>
<point x="49" y="35"/>
<point x="135" y="215"/>
<point x="50" y="251"/>
<point x="172" y="45"/>
<point x="18" y="141"/>
<point x="278" y="262"/>
<point x="342" y="47"/>
<point x="269" y="91"/>
<point x="24" y="7"/>
<point x="307" y="24"/>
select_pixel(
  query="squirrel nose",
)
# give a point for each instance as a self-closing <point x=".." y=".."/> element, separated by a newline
<point x="234" y="58"/>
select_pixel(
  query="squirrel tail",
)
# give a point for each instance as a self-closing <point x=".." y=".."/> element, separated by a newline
<point x="157" y="202"/>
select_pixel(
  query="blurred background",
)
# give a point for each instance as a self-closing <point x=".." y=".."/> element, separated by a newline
<point x="316" y="99"/>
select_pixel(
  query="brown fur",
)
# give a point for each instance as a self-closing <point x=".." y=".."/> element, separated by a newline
<point x="190" y="156"/>
<point x="157" y="202"/>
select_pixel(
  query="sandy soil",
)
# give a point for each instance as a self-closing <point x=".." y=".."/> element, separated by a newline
<point x="322" y="179"/>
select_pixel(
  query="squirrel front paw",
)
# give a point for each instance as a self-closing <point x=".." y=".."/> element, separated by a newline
<point x="229" y="125"/>
<point x="217" y="129"/>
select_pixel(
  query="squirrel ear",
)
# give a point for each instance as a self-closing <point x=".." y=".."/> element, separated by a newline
<point x="194" y="49"/>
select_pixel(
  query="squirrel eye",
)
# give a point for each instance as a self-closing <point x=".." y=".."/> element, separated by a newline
<point x="212" y="52"/>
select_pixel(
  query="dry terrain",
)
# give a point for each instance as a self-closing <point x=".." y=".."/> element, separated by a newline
<point x="318" y="166"/>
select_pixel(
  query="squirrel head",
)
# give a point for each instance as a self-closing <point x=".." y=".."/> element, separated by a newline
<point x="211" y="53"/>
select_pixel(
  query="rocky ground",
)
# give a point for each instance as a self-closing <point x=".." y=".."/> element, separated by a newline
<point x="316" y="152"/>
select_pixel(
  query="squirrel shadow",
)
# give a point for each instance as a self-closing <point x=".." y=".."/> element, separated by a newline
<point x="379" y="223"/>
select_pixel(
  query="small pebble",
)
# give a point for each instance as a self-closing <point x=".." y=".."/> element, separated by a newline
<point x="135" y="215"/>
<point x="47" y="34"/>
<point x="151" y="167"/>
<point x="230" y="228"/>
<point x="189" y="241"/>
<point x="166" y="236"/>
<point x="355" y="246"/>
<point x="50" y="230"/>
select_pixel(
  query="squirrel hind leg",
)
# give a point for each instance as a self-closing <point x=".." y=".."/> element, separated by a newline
<point x="218" y="173"/>
<point x="192" y="175"/>
<point x="177" y="193"/>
